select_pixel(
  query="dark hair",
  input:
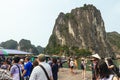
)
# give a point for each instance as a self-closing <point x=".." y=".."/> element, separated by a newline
<point x="54" y="60"/>
<point x="110" y="62"/>
<point x="115" y="69"/>
<point x="35" y="63"/>
<point x="103" y="70"/>
<point x="16" y="59"/>
<point x="27" y="58"/>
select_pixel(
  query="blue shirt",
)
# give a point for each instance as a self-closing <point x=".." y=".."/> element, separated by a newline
<point x="28" y="68"/>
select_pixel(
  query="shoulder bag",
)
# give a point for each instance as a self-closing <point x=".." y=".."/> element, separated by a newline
<point x="45" y="72"/>
<point x="19" y="73"/>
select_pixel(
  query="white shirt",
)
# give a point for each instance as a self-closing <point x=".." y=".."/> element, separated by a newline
<point x="71" y="63"/>
<point x="110" y="78"/>
<point x="39" y="74"/>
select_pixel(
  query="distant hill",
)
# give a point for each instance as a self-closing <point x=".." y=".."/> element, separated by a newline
<point x="23" y="44"/>
<point x="114" y="39"/>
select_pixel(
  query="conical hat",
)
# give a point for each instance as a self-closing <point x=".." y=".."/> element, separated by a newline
<point x="82" y="58"/>
<point x="96" y="56"/>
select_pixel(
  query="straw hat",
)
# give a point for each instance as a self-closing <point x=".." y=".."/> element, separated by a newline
<point x="82" y="58"/>
<point x="96" y="56"/>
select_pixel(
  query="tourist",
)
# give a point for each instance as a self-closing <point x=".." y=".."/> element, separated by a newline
<point x="71" y="65"/>
<point x="95" y="67"/>
<point x="112" y="66"/>
<point x="16" y="70"/>
<point x="27" y="69"/>
<point x="21" y="64"/>
<point x="105" y="73"/>
<point x="35" y="63"/>
<point x="38" y="72"/>
<point x="55" y="69"/>
<point x="83" y="67"/>
<point x="76" y="64"/>
<point x="4" y="65"/>
<point x="68" y="62"/>
<point x="49" y="61"/>
<point x="59" y="61"/>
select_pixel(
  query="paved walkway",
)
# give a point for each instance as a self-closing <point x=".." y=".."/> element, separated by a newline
<point x="64" y="74"/>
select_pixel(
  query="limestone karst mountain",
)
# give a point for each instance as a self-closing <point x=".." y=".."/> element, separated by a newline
<point x="82" y="28"/>
<point x="114" y="39"/>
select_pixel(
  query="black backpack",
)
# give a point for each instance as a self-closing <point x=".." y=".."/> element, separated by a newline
<point x="116" y="71"/>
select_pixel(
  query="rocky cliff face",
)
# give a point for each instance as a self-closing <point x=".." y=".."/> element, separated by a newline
<point x="84" y="28"/>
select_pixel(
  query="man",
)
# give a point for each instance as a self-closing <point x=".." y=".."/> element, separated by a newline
<point x="95" y="67"/>
<point x="15" y="70"/>
<point x="38" y="73"/>
<point x="27" y="69"/>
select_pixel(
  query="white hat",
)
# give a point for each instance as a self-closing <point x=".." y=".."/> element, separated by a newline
<point x="96" y="56"/>
<point x="21" y="60"/>
<point x="82" y="58"/>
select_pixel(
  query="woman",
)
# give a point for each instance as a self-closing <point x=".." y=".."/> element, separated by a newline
<point x="76" y="64"/>
<point x="83" y="67"/>
<point x="105" y="73"/>
<point x="71" y="65"/>
<point x="112" y="66"/>
<point x="35" y="63"/>
<point x="55" y="69"/>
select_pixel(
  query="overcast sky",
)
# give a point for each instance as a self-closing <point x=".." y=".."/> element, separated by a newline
<point x="34" y="19"/>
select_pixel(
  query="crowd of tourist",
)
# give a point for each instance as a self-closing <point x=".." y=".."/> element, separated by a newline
<point x="23" y="69"/>
<point x="102" y="69"/>
<point x="19" y="68"/>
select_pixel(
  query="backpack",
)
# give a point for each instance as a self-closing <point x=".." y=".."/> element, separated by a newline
<point x="82" y="66"/>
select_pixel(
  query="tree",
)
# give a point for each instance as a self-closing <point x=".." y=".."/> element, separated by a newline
<point x="83" y="52"/>
<point x="10" y="44"/>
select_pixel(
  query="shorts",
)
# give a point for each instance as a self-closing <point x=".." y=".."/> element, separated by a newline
<point x="71" y="67"/>
<point x="82" y="67"/>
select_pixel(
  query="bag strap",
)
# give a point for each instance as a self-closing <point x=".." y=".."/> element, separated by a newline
<point x="19" y="72"/>
<point x="45" y="72"/>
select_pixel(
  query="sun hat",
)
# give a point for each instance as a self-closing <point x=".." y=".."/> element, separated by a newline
<point x="82" y="58"/>
<point x="96" y="56"/>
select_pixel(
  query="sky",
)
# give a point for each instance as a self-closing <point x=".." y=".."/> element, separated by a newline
<point x="34" y="19"/>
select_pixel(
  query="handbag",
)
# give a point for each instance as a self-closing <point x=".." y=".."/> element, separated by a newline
<point x="20" y="73"/>
<point x="45" y="72"/>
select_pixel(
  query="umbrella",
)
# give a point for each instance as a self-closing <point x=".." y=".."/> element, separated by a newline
<point x="3" y="53"/>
